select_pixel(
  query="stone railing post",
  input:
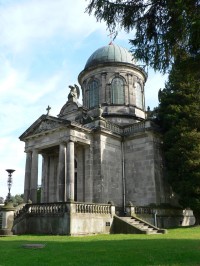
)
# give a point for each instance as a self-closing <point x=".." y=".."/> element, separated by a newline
<point x="130" y="210"/>
<point x="112" y="210"/>
<point x="7" y="212"/>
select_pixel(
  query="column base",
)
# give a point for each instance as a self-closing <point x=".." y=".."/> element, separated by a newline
<point x="6" y="232"/>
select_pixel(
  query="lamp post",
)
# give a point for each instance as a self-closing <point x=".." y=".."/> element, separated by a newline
<point x="9" y="182"/>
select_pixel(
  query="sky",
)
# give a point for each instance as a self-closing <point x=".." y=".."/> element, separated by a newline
<point x="44" y="45"/>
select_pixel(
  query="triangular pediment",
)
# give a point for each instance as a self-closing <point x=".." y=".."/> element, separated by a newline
<point x="43" y="124"/>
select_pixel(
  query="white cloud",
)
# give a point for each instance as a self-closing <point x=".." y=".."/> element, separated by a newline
<point x="44" y="45"/>
<point x="12" y="156"/>
<point x="25" y="22"/>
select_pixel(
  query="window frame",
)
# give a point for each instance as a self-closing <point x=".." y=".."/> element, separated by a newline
<point x="118" y="94"/>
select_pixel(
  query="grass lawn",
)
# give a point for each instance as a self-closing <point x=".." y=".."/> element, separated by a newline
<point x="178" y="247"/>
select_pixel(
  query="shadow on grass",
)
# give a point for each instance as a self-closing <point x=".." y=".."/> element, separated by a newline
<point x="104" y="250"/>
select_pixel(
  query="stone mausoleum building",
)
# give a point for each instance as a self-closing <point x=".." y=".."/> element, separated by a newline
<point x="101" y="160"/>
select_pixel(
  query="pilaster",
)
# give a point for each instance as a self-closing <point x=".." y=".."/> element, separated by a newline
<point x="61" y="178"/>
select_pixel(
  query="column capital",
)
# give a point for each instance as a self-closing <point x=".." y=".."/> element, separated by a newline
<point x="63" y="142"/>
<point x="71" y="139"/>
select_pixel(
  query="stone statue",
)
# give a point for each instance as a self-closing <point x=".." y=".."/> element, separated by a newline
<point x="74" y="92"/>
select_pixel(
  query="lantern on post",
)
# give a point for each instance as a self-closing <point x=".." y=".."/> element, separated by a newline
<point x="9" y="182"/>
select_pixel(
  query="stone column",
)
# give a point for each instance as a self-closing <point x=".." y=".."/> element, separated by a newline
<point x="61" y="177"/>
<point x="34" y="177"/>
<point x="45" y="180"/>
<point x="27" y="179"/>
<point x="70" y="170"/>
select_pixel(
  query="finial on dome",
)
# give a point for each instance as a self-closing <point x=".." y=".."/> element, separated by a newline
<point x="112" y="37"/>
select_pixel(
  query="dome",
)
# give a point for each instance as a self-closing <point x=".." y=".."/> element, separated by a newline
<point x="108" y="54"/>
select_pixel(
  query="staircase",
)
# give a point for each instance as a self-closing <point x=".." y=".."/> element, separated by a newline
<point x="134" y="225"/>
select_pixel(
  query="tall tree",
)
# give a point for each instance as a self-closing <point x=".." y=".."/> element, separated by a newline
<point x="17" y="199"/>
<point x="163" y="29"/>
<point x="166" y="33"/>
<point x="1" y="200"/>
<point x="179" y="117"/>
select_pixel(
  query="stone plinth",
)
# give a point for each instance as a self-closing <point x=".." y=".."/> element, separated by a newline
<point x="7" y="215"/>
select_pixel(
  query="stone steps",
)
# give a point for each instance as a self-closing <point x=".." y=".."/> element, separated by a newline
<point x="142" y="226"/>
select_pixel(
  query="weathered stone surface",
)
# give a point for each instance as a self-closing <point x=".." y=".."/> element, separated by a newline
<point x="102" y="151"/>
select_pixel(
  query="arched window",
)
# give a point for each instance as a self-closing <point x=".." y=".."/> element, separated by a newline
<point x="117" y="91"/>
<point x="93" y="89"/>
<point x="139" y="95"/>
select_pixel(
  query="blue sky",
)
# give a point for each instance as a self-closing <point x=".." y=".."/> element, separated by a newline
<point x="44" y="45"/>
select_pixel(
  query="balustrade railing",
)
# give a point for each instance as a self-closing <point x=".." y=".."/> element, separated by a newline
<point x="143" y="210"/>
<point x="58" y="209"/>
<point x="136" y="127"/>
<point x="113" y="127"/>
<point x="93" y="208"/>
<point x="42" y="209"/>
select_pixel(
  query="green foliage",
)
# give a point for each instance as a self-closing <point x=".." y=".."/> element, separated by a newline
<point x="179" y="117"/>
<point x="17" y="199"/>
<point x="162" y="29"/>
<point x="1" y="200"/>
<point x="177" y="248"/>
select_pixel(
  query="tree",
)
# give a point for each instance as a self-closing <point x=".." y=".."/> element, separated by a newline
<point x="17" y="199"/>
<point x="179" y="116"/>
<point x="1" y="200"/>
<point x="167" y="37"/>
<point x="163" y="29"/>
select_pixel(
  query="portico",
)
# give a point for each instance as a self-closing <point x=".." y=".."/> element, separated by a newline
<point x="58" y="174"/>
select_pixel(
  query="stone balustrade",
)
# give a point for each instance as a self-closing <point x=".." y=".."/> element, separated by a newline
<point x="58" y="209"/>
<point x="43" y="209"/>
<point x="48" y="209"/>
<point x="93" y="208"/>
<point x="134" y="128"/>
<point x="113" y="127"/>
<point x="144" y="210"/>
<point x="127" y="130"/>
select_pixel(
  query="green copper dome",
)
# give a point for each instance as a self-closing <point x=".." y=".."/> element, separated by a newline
<point x="110" y="53"/>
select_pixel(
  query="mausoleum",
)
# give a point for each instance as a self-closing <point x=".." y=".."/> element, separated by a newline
<point x="101" y="160"/>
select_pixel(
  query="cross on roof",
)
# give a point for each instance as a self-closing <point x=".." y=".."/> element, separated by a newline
<point x="48" y="109"/>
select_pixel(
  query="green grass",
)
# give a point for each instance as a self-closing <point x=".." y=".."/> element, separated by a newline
<point x="178" y="247"/>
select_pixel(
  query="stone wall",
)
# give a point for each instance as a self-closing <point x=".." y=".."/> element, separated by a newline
<point x="64" y="219"/>
<point x="143" y="170"/>
<point x="107" y="171"/>
<point x="111" y="169"/>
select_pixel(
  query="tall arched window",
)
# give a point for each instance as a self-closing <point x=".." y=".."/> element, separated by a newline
<point x="139" y="95"/>
<point x="93" y="88"/>
<point x="117" y="91"/>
